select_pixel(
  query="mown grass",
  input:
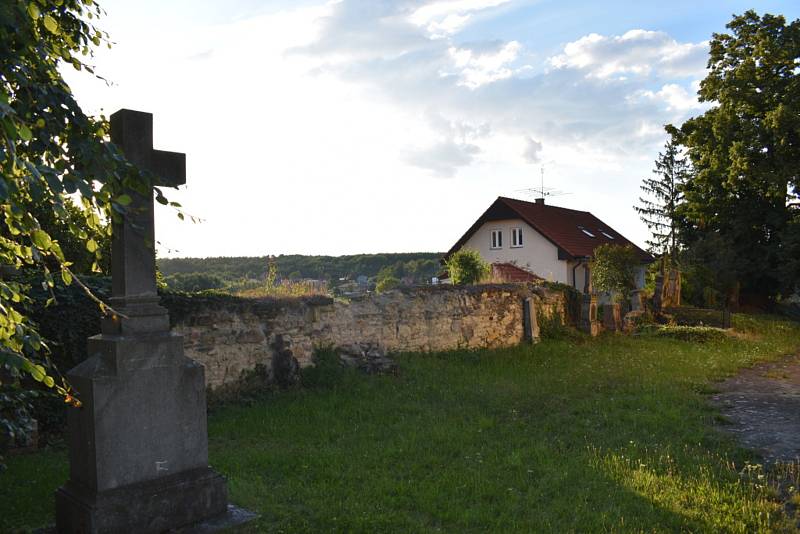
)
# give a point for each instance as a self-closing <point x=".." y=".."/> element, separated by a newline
<point x="612" y="434"/>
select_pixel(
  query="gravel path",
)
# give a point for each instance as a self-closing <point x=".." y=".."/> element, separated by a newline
<point x="763" y="405"/>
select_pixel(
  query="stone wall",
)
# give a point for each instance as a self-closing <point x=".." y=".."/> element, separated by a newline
<point x="232" y="335"/>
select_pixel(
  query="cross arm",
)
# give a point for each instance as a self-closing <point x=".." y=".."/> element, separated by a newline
<point x="169" y="167"/>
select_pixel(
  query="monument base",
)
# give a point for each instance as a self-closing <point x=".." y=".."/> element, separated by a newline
<point x="158" y="505"/>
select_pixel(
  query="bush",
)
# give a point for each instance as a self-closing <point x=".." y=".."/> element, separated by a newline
<point x="697" y="334"/>
<point x="387" y="283"/>
<point x="466" y="267"/>
<point x="193" y="282"/>
<point x="613" y="269"/>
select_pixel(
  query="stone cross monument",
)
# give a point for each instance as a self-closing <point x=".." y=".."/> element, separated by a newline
<point x="138" y="448"/>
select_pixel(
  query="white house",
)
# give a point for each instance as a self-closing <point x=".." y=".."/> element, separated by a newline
<point x="552" y="242"/>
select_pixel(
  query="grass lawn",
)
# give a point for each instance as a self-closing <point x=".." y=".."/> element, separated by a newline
<point x="612" y="434"/>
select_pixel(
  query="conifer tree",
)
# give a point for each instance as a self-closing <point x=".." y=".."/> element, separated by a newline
<point x="659" y="207"/>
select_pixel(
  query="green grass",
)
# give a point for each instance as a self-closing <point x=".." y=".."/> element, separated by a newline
<point x="612" y="434"/>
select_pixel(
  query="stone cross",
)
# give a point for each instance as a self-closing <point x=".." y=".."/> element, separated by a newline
<point x="133" y="264"/>
<point x="138" y="448"/>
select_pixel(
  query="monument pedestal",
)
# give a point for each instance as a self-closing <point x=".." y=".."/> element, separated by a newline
<point x="138" y="446"/>
<point x="154" y="506"/>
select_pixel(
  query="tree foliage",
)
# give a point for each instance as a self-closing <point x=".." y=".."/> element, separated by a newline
<point x="387" y="283"/>
<point x="658" y="209"/>
<point x="49" y="151"/>
<point x="613" y="269"/>
<point x="466" y="267"/>
<point x="193" y="282"/>
<point x="745" y="151"/>
<point x="419" y="266"/>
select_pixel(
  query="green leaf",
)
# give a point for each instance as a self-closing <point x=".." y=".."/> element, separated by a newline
<point x="38" y="373"/>
<point x="51" y="24"/>
<point x="48" y="381"/>
<point x="41" y="239"/>
<point x="66" y="276"/>
<point x="24" y="132"/>
<point x="124" y="200"/>
<point x="91" y="245"/>
<point x="33" y="10"/>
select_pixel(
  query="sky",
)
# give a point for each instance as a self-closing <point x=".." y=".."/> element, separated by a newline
<point x="364" y="126"/>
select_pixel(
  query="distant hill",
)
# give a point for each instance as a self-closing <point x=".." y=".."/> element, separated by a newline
<point x="419" y="266"/>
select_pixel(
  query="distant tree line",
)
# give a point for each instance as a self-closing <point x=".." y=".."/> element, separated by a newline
<point x="191" y="274"/>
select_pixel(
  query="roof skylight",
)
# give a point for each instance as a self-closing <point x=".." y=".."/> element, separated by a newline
<point x="606" y="234"/>
<point x="585" y="231"/>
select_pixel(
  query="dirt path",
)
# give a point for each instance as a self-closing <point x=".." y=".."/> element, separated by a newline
<point x="763" y="405"/>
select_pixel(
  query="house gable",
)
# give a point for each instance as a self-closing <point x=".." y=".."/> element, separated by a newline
<point x="500" y="211"/>
<point x="537" y="254"/>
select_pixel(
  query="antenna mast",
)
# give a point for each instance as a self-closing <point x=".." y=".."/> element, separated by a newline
<point x="542" y="191"/>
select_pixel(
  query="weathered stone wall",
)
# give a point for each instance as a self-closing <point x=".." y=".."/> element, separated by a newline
<point x="231" y="335"/>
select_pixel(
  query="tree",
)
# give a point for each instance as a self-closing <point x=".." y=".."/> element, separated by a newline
<point x="387" y="283"/>
<point x="745" y="152"/>
<point x="613" y="269"/>
<point x="49" y="150"/>
<point x="659" y="208"/>
<point x="466" y="267"/>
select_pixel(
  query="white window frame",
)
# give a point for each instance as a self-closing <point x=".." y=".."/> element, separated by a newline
<point x="516" y="237"/>
<point x="606" y="234"/>
<point x="496" y="238"/>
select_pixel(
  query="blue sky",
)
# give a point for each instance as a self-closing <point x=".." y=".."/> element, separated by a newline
<point x="379" y="126"/>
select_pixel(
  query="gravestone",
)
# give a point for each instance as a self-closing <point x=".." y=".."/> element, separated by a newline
<point x="530" y="322"/>
<point x="138" y="448"/>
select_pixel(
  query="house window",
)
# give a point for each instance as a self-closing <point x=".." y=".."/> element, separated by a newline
<point x="497" y="239"/>
<point x="516" y="237"/>
<point x="606" y="234"/>
<point x="585" y="231"/>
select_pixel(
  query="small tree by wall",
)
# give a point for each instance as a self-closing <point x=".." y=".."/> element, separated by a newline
<point x="613" y="269"/>
<point x="467" y="267"/>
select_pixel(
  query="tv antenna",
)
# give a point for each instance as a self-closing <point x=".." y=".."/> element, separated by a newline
<point x="542" y="191"/>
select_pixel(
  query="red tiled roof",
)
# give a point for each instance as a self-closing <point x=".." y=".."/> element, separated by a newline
<point x="561" y="226"/>
<point x="508" y="272"/>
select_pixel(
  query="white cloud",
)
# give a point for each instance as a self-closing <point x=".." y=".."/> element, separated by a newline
<point x="635" y="53"/>
<point x="533" y="150"/>
<point x="673" y="96"/>
<point x="593" y="96"/>
<point x="454" y="146"/>
<point x="446" y="17"/>
<point x="479" y="67"/>
<point x="443" y="158"/>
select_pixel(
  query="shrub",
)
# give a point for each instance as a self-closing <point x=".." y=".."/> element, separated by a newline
<point x="613" y="269"/>
<point x="193" y="282"/>
<point x="467" y="267"/>
<point x="698" y="334"/>
<point x="387" y="283"/>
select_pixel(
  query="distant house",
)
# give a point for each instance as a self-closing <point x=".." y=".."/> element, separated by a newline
<point x="550" y="242"/>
